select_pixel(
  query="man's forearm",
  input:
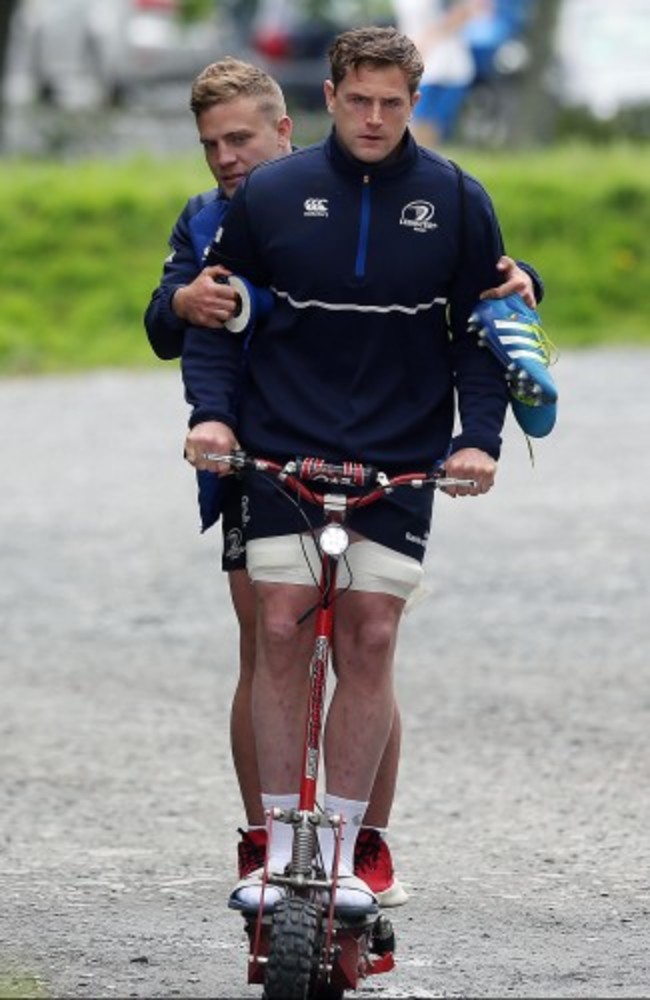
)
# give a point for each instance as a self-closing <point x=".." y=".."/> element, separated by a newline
<point x="211" y="366"/>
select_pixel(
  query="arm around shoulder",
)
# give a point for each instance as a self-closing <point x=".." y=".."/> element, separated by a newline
<point x="165" y="329"/>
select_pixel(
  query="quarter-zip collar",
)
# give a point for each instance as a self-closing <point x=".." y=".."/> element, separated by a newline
<point x="394" y="166"/>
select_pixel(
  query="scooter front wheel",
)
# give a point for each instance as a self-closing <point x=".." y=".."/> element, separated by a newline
<point x="328" y="992"/>
<point x="294" y="950"/>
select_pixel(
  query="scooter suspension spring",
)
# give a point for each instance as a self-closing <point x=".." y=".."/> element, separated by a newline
<point x="303" y="848"/>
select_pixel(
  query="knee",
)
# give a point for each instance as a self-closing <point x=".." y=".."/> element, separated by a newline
<point x="282" y="658"/>
<point x="284" y="640"/>
<point x="279" y="630"/>
<point x="376" y="637"/>
<point x="371" y="642"/>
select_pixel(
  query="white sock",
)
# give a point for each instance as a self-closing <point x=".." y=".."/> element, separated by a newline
<point x="352" y="811"/>
<point x="281" y="833"/>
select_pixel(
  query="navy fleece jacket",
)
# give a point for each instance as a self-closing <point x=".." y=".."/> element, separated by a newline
<point x="375" y="269"/>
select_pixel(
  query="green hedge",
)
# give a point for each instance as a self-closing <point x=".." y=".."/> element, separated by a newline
<point x="85" y="248"/>
<point x="581" y="215"/>
<point x="84" y="243"/>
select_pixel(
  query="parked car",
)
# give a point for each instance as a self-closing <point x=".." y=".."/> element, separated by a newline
<point x="68" y="49"/>
<point x="290" y="39"/>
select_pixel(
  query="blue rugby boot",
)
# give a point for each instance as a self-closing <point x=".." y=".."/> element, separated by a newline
<point x="537" y="420"/>
<point x="513" y="332"/>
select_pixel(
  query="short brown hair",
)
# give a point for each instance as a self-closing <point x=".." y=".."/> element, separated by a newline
<point x="230" y="78"/>
<point x="375" y="47"/>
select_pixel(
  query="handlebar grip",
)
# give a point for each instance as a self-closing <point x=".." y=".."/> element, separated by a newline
<point x="339" y="474"/>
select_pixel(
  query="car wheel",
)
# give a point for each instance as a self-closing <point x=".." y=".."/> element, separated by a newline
<point x="107" y="91"/>
<point x="45" y="91"/>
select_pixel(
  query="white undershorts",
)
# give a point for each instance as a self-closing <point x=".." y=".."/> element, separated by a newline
<point x="366" y="565"/>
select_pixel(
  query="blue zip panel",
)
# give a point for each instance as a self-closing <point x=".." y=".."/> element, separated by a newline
<point x="364" y="225"/>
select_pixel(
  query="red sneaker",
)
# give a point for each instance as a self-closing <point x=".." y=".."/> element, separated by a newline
<point x="373" y="863"/>
<point x="251" y="850"/>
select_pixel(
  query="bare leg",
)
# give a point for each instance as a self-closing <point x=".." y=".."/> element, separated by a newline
<point x="241" y="725"/>
<point x="281" y="682"/>
<point x="383" y="789"/>
<point x="382" y="795"/>
<point x="242" y="736"/>
<point x="363" y="706"/>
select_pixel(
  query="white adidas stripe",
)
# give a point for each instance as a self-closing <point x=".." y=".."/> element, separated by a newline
<point x="524" y="354"/>
<point x="512" y="324"/>
<point x="515" y="339"/>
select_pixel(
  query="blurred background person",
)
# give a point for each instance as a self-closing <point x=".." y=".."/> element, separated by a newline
<point x="438" y="28"/>
<point x="497" y="34"/>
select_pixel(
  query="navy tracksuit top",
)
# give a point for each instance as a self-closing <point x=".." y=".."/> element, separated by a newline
<point x="375" y="268"/>
<point x="190" y="241"/>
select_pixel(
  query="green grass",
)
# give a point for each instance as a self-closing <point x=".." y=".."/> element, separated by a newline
<point x="84" y="244"/>
<point x="20" y="986"/>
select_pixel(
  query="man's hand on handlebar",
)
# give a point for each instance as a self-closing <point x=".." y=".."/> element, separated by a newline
<point x="472" y="464"/>
<point x="472" y="470"/>
<point x="210" y="438"/>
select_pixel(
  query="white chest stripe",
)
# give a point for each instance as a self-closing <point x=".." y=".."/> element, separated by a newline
<point x="356" y="307"/>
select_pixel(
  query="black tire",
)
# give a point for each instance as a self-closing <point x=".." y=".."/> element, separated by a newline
<point x="328" y="992"/>
<point x="294" y="948"/>
<point x="45" y="90"/>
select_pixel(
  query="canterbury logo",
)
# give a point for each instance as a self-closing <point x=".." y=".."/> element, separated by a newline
<point x="418" y="215"/>
<point x="316" y="207"/>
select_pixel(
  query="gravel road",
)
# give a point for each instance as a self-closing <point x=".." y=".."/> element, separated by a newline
<point x="522" y="825"/>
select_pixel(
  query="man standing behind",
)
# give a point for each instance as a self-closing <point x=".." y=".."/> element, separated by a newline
<point x="371" y="245"/>
<point x="242" y="120"/>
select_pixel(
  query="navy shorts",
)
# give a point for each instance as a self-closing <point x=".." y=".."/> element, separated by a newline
<point x="234" y="541"/>
<point x="401" y="521"/>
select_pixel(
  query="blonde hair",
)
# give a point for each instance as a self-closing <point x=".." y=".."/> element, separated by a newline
<point x="230" y="78"/>
<point x="376" y="47"/>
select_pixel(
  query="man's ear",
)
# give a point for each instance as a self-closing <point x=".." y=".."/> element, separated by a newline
<point x="285" y="130"/>
<point x="329" y="91"/>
